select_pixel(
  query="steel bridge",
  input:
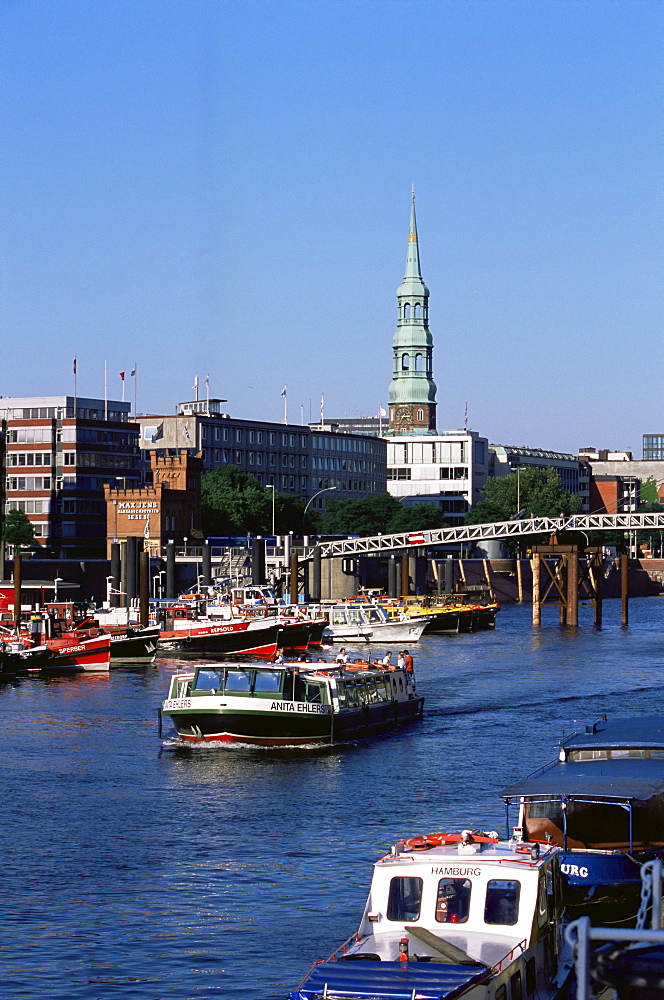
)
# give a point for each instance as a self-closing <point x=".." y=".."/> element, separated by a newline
<point x="496" y="529"/>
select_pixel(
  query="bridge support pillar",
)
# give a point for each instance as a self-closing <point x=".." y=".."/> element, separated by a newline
<point x="405" y="574"/>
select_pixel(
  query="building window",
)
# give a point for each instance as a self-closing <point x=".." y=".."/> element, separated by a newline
<point x="405" y="362"/>
<point x="420" y="415"/>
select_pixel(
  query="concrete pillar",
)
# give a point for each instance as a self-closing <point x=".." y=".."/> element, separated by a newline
<point x="294" y="566"/>
<point x="392" y="577"/>
<point x="144" y="589"/>
<point x="207" y="563"/>
<point x="116" y="573"/>
<point x="449" y="575"/>
<point x="258" y="561"/>
<point x="405" y="575"/>
<point x="171" y="572"/>
<point x="132" y="559"/>
<point x="316" y="583"/>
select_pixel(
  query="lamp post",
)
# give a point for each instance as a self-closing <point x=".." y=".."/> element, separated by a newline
<point x="271" y="486"/>
<point x="156" y="580"/>
<point x="57" y="580"/>
<point x="326" y="490"/>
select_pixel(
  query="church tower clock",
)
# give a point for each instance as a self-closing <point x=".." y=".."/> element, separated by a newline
<point x="412" y="389"/>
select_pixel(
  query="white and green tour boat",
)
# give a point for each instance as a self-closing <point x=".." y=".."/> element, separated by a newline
<point x="289" y="704"/>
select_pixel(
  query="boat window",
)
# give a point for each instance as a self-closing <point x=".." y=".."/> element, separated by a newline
<point x="501" y="992"/>
<point x="373" y="616"/>
<point x="209" y="680"/>
<point x="657" y="753"/>
<point x="239" y="681"/>
<point x="516" y="993"/>
<point x="315" y="693"/>
<point x="341" y="694"/>
<point x="531" y="976"/>
<point x="405" y="898"/>
<point x="386" y="690"/>
<point x="453" y="900"/>
<point x="372" y="693"/>
<point x="589" y="755"/>
<point x="401" y="683"/>
<point x="502" y="901"/>
<point x="268" y="681"/>
<point x="352" y="695"/>
<point x="354" y="616"/>
<point x="339" y="617"/>
<point x="628" y="753"/>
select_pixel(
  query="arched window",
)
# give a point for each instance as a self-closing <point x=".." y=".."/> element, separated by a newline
<point x="406" y="311"/>
<point x="416" y="310"/>
<point x="405" y="362"/>
<point x="420" y="415"/>
<point x="418" y="363"/>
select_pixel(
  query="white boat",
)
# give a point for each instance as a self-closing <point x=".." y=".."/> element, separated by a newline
<point x="460" y="915"/>
<point x="370" y="623"/>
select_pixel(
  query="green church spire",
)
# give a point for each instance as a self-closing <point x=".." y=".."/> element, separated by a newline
<point x="412" y="389"/>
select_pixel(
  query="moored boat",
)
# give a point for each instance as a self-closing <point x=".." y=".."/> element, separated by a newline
<point x="289" y="704"/>
<point x="69" y="651"/>
<point x="355" y="622"/>
<point x="190" y="634"/>
<point x="602" y="802"/>
<point x="452" y="916"/>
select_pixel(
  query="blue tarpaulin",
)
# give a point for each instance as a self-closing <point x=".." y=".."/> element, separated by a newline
<point x="387" y="980"/>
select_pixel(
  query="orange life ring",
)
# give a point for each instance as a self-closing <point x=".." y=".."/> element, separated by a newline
<point x="429" y="840"/>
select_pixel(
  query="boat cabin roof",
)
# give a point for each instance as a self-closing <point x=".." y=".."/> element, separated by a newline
<point x="639" y="731"/>
<point x="620" y="760"/>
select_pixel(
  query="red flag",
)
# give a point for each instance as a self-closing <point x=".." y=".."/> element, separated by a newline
<point x="122" y="376"/>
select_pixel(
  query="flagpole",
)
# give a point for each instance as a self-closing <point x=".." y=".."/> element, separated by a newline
<point x="75" y="403"/>
<point x="105" y="393"/>
<point x="135" y="384"/>
<point x="123" y="380"/>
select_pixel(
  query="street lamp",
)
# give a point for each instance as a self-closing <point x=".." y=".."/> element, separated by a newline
<point x="156" y="579"/>
<point x="271" y="486"/>
<point x="326" y="490"/>
<point x="57" y="580"/>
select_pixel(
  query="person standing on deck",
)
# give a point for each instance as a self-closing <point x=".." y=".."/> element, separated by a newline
<point x="408" y="660"/>
<point x="387" y="659"/>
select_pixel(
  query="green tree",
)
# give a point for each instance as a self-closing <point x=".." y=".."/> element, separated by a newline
<point x="649" y="492"/>
<point x="378" y="514"/>
<point x="17" y="530"/>
<point x="233" y="503"/>
<point x="531" y="491"/>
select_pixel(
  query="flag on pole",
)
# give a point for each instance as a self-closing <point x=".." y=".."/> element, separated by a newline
<point x="146" y="530"/>
<point x="122" y="376"/>
<point x="322" y="406"/>
<point x="207" y="381"/>
<point x="133" y="371"/>
<point x="382" y="412"/>
<point x="465" y="419"/>
<point x="74" y="366"/>
<point x="283" y="392"/>
<point x="187" y="435"/>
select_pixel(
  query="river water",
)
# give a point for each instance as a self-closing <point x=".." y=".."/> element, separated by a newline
<point x="136" y="869"/>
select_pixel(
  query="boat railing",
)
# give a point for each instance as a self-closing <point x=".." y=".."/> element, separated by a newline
<point x="513" y="953"/>
<point x="580" y="933"/>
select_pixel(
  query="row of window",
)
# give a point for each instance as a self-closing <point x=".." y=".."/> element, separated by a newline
<point x="343" y="465"/>
<point x="30" y="458"/>
<point x="239" y="434"/>
<point x="427" y="453"/>
<point x="29" y="482"/>
<point x="71" y="434"/>
<point x="29" y="506"/>
<point x="340" y="442"/>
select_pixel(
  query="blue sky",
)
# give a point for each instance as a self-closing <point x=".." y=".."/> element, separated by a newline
<point x="213" y="187"/>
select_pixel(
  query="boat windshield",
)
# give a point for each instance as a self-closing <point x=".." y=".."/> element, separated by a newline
<point x="453" y="900"/>
<point x="209" y="680"/>
<point x="405" y="899"/>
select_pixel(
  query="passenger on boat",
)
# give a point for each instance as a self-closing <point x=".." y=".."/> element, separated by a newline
<point x="408" y="661"/>
<point x="278" y="656"/>
<point x="387" y="659"/>
<point x="401" y="663"/>
<point x="342" y="656"/>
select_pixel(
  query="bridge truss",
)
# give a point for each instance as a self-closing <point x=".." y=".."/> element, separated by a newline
<point x="497" y="529"/>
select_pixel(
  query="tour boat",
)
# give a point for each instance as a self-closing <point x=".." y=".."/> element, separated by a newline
<point x="355" y="622"/>
<point x="602" y="802"/>
<point x="289" y="704"/>
<point x="453" y="915"/>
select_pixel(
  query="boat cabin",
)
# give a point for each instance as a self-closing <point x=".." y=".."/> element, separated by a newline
<point x="450" y="916"/>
